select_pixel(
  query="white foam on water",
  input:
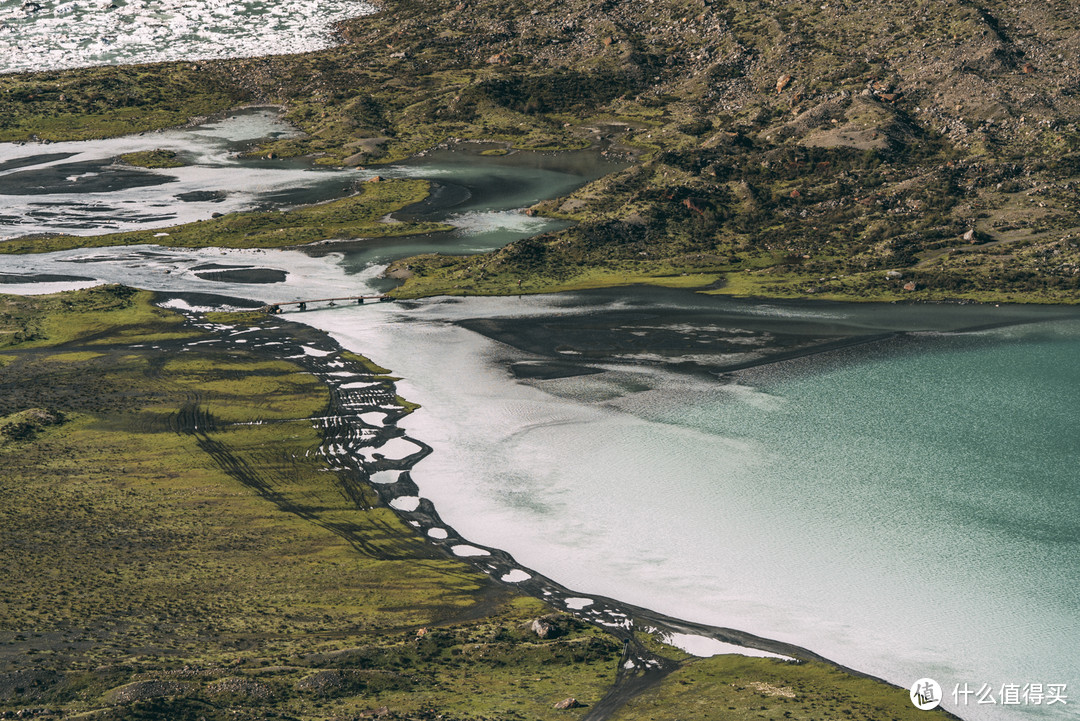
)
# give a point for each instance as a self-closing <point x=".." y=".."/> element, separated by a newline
<point x="485" y="222"/>
<point x="466" y="551"/>
<point x="357" y="385"/>
<point x="76" y="33"/>
<point x="47" y="287"/>
<point x="405" y="503"/>
<point x="703" y="646"/>
<point x="166" y="269"/>
<point x="213" y="179"/>
<point x="515" y="576"/>
<point x="385" y="476"/>
<point x="372" y="418"/>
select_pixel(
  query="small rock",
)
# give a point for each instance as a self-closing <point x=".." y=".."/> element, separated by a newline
<point x="894" y="275"/>
<point x="568" y="703"/>
<point x="375" y="179"/>
<point x="969" y="236"/>
<point x="1028" y="69"/>
<point x="541" y="628"/>
<point x="910" y="285"/>
<point x="782" y="82"/>
<point x="499" y="59"/>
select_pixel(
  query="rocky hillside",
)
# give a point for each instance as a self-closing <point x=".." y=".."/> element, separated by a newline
<point x="813" y="147"/>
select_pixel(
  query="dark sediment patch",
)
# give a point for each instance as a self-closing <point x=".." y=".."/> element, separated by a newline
<point x="715" y="335"/>
<point x="33" y="160"/>
<point x="201" y="196"/>
<point x="88" y="177"/>
<point x="244" y="275"/>
<point x="221" y="302"/>
<point x="41" y="278"/>
<point x="550" y="370"/>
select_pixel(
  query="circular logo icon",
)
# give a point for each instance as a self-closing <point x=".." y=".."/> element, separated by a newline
<point x="926" y="694"/>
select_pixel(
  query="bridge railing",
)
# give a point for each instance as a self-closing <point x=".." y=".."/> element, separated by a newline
<point x="303" y="304"/>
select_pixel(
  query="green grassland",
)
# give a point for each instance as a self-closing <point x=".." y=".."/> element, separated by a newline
<point x="174" y="548"/>
<point x="108" y="102"/>
<point x="144" y="573"/>
<point x="152" y="159"/>
<point x="356" y="216"/>
<point x="748" y="689"/>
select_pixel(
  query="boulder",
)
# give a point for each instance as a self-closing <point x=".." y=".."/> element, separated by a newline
<point x="541" y="628"/>
<point x="375" y="712"/>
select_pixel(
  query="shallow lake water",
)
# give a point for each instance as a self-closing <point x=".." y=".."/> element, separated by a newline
<point x="907" y="507"/>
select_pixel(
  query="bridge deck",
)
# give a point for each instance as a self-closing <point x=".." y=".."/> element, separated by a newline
<point x="302" y="304"/>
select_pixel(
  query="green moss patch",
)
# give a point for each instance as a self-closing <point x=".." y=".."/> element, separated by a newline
<point x="749" y="689"/>
<point x="152" y="159"/>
